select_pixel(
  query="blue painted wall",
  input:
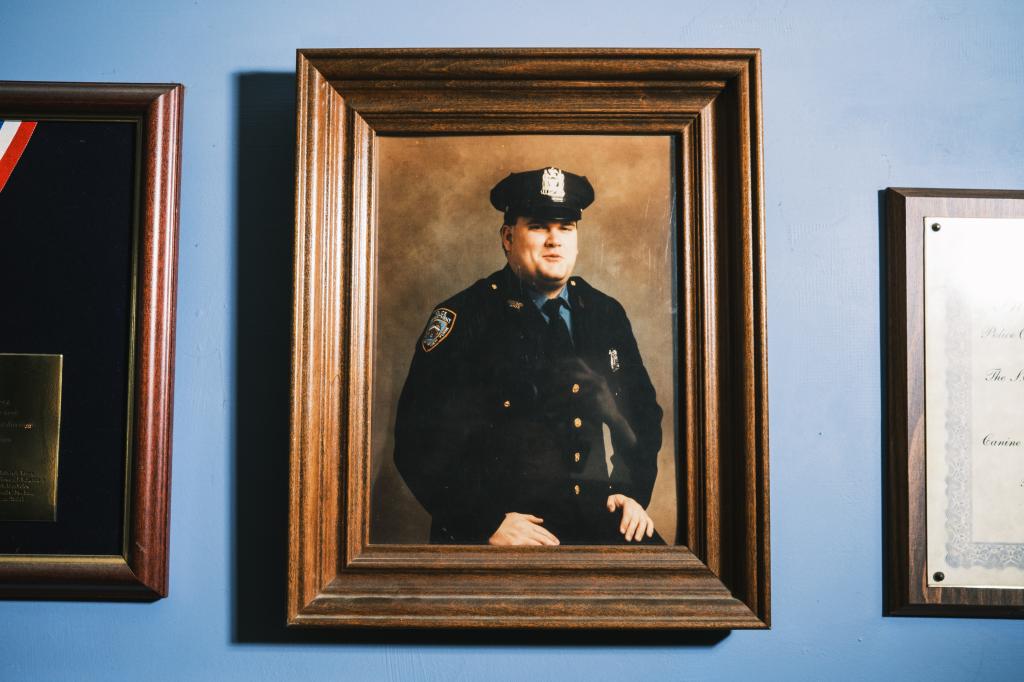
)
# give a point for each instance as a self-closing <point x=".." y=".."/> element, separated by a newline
<point x="857" y="96"/>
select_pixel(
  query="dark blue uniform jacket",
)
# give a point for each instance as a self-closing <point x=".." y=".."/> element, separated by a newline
<point x="486" y="424"/>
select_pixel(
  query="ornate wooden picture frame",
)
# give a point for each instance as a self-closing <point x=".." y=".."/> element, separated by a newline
<point x="708" y="102"/>
<point x="911" y="587"/>
<point x="116" y="337"/>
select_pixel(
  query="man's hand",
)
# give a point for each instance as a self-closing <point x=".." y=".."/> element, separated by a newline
<point x="635" y="521"/>
<point x="523" y="529"/>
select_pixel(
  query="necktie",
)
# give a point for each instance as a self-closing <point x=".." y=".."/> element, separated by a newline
<point x="559" y="343"/>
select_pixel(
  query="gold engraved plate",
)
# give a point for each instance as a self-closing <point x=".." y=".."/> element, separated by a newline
<point x="30" y="389"/>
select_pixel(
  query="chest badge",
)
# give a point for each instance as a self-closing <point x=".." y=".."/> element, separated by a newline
<point x="514" y="304"/>
<point x="613" y="359"/>
<point x="441" y="323"/>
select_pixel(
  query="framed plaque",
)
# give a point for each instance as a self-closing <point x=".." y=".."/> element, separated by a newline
<point x="955" y="375"/>
<point x="88" y="245"/>
<point x="442" y="472"/>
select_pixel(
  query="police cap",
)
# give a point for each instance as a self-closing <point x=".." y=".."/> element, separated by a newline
<point x="548" y="193"/>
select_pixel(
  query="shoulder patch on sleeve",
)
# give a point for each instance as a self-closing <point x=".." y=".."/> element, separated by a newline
<point x="441" y="323"/>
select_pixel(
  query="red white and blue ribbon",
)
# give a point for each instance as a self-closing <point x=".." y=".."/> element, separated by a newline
<point x="14" y="136"/>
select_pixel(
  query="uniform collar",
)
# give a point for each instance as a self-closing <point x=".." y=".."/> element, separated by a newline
<point x="539" y="298"/>
<point x="513" y="286"/>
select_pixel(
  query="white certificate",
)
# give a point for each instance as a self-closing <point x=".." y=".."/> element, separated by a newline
<point x="974" y="400"/>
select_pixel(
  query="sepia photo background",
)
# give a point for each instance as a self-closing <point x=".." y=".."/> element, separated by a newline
<point x="438" y="233"/>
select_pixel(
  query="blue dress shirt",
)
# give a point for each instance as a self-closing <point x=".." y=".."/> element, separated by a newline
<point x="539" y="299"/>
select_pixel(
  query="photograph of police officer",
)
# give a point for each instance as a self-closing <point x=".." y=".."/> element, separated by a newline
<point x="528" y="416"/>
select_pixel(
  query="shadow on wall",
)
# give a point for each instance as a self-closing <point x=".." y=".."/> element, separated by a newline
<point x="264" y="210"/>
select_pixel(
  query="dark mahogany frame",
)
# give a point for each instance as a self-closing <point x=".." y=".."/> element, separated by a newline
<point x="906" y="567"/>
<point x="139" y="573"/>
<point x="709" y="100"/>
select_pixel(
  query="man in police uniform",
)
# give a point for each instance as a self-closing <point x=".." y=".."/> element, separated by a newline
<point x="500" y="425"/>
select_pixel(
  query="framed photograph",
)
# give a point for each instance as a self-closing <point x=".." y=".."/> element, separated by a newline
<point x="955" y="381"/>
<point x="529" y="382"/>
<point x="89" y="178"/>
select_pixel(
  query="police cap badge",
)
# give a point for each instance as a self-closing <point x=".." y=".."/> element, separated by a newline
<point x="548" y="193"/>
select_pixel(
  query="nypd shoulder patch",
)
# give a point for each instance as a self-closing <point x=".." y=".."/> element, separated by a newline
<point x="441" y="323"/>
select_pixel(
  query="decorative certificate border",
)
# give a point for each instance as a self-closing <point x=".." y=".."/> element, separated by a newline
<point x="961" y="550"/>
